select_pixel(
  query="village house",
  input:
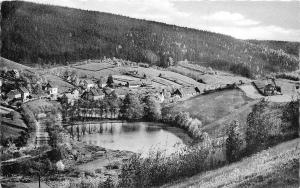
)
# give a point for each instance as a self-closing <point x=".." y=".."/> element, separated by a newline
<point x="15" y="73"/>
<point x="161" y="97"/>
<point x="88" y="84"/>
<point x="52" y="90"/>
<point x="185" y="92"/>
<point x="267" y="88"/>
<point x="108" y="91"/>
<point x="146" y="83"/>
<point x="14" y="94"/>
<point x="121" y="93"/>
<point x="24" y="93"/>
<point x="101" y="83"/>
<point x="197" y="89"/>
<point x="93" y="94"/>
<point x="133" y="84"/>
<point x="71" y="96"/>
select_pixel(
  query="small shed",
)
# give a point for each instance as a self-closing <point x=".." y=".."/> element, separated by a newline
<point x="185" y="92"/>
<point x="133" y="84"/>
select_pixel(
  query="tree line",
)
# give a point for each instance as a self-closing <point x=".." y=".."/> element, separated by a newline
<point x="66" y="35"/>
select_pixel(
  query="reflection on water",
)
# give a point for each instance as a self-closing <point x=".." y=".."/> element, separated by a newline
<point x="131" y="136"/>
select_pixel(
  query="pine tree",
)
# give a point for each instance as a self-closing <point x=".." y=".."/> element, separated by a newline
<point x="233" y="142"/>
<point x="110" y="80"/>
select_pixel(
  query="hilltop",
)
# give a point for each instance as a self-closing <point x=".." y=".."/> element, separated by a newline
<point x="42" y="34"/>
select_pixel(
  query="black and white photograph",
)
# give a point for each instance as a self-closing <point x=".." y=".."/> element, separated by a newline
<point x="149" y="93"/>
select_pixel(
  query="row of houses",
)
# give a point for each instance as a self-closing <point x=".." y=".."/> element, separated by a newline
<point x="23" y="94"/>
<point x="92" y="94"/>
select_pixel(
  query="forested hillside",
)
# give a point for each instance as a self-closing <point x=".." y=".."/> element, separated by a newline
<point x="292" y="48"/>
<point x="43" y="34"/>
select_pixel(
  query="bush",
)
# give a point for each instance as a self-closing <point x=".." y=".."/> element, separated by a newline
<point x="158" y="169"/>
<point x="269" y="124"/>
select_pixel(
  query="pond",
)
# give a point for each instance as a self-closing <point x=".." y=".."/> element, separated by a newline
<point x="139" y="137"/>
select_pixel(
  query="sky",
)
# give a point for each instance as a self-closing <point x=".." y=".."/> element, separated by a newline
<point x="243" y="19"/>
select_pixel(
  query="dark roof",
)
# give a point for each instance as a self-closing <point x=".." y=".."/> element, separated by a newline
<point x="51" y="85"/>
<point x="259" y="84"/>
<point x="186" y="90"/>
<point x="96" y="92"/>
<point x="121" y="91"/>
<point x="24" y="90"/>
<point x="89" y="81"/>
<point x="134" y="83"/>
<point x="14" y="92"/>
<point x="107" y="91"/>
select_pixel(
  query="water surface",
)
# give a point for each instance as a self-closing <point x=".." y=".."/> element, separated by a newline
<point x="130" y="136"/>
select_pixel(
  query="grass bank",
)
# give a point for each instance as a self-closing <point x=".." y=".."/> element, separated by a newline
<point x="274" y="167"/>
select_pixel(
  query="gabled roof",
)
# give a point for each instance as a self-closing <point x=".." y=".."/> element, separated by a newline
<point x="259" y="84"/>
<point x="121" y="91"/>
<point x="134" y="83"/>
<point x="14" y="92"/>
<point x="96" y="92"/>
<point x="107" y="91"/>
<point x="51" y="85"/>
<point x="24" y="90"/>
<point x="89" y="81"/>
<point x="187" y="90"/>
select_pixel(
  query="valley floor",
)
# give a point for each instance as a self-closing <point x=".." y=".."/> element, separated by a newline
<point x="275" y="167"/>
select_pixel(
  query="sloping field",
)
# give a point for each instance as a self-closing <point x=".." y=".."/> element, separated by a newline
<point x="218" y="128"/>
<point x="61" y="84"/>
<point x="211" y="79"/>
<point x="13" y="65"/>
<point x="211" y="107"/>
<point x="277" y="167"/>
<point x="94" y="66"/>
<point x="98" y="70"/>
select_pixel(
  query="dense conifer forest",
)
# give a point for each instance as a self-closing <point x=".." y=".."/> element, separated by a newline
<point x="42" y="34"/>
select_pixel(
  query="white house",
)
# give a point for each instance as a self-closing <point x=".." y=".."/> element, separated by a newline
<point x="14" y="94"/>
<point x="24" y="93"/>
<point x="16" y="73"/>
<point x="52" y="90"/>
<point x="88" y="84"/>
<point x="71" y="96"/>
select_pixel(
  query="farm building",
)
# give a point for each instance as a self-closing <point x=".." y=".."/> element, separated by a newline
<point x="107" y="91"/>
<point x="14" y="94"/>
<point x="197" y="89"/>
<point x="15" y="73"/>
<point x="133" y="84"/>
<point x="88" y="84"/>
<point x="52" y="90"/>
<point x="101" y="83"/>
<point x="267" y="88"/>
<point x="146" y="83"/>
<point x="185" y="92"/>
<point x="24" y="93"/>
<point x="71" y="96"/>
<point x="121" y="93"/>
<point x="93" y="94"/>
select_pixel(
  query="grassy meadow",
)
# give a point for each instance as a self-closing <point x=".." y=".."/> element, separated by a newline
<point x="276" y="167"/>
<point x="211" y="107"/>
